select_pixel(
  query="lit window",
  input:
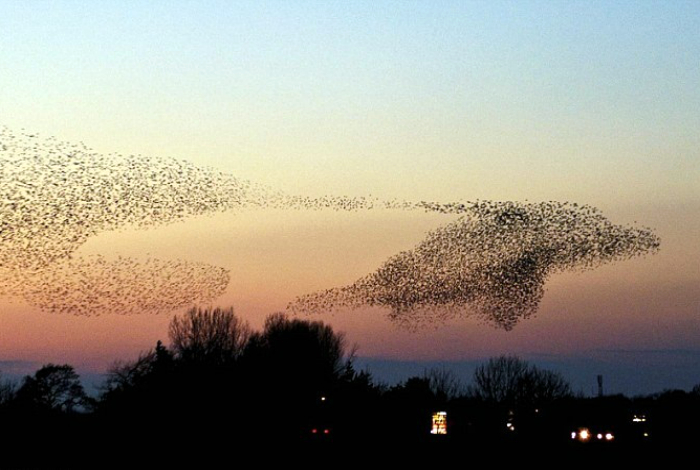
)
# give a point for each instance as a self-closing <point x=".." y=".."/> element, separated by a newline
<point x="439" y="423"/>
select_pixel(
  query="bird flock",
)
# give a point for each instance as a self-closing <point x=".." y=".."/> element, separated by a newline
<point x="55" y="195"/>
<point x="93" y="285"/>
<point x="493" y="261"/>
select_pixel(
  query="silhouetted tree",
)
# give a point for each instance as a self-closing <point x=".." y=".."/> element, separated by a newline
<point x="189" y="385"/>
<point x="354" y="403"/>
<point x="208" y="336"/>
<point x="54" y="388"/>
<point x="138" y="395"/>
<point x="415" y="390"/>
<point x="289" y="367"/>
<point x="696" y="390"/>
<point x="308" y="351"/>
<point x="8" y="389"/>
<point x="125" y="377"/>
<point x="408" y="407"/>
<point x="542" y="386"/>
<point x="444" y="384"/>
<point x="510" y="380"/>
<point x="362" y="380"/>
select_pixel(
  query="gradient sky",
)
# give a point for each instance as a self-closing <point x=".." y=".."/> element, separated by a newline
<point x="592" y="102"/>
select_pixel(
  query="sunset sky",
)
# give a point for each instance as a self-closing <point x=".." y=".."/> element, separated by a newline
<point x="593" y="102"/>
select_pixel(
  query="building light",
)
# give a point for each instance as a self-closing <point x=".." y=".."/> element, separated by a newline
<point x="582" y="435"/>
<point x="439" y="423"/>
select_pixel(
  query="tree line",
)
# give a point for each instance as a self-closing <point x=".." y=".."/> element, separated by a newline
<point x="219" y="383"/>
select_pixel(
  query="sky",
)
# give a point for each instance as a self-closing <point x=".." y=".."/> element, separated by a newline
<point x="592" y="102"/>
